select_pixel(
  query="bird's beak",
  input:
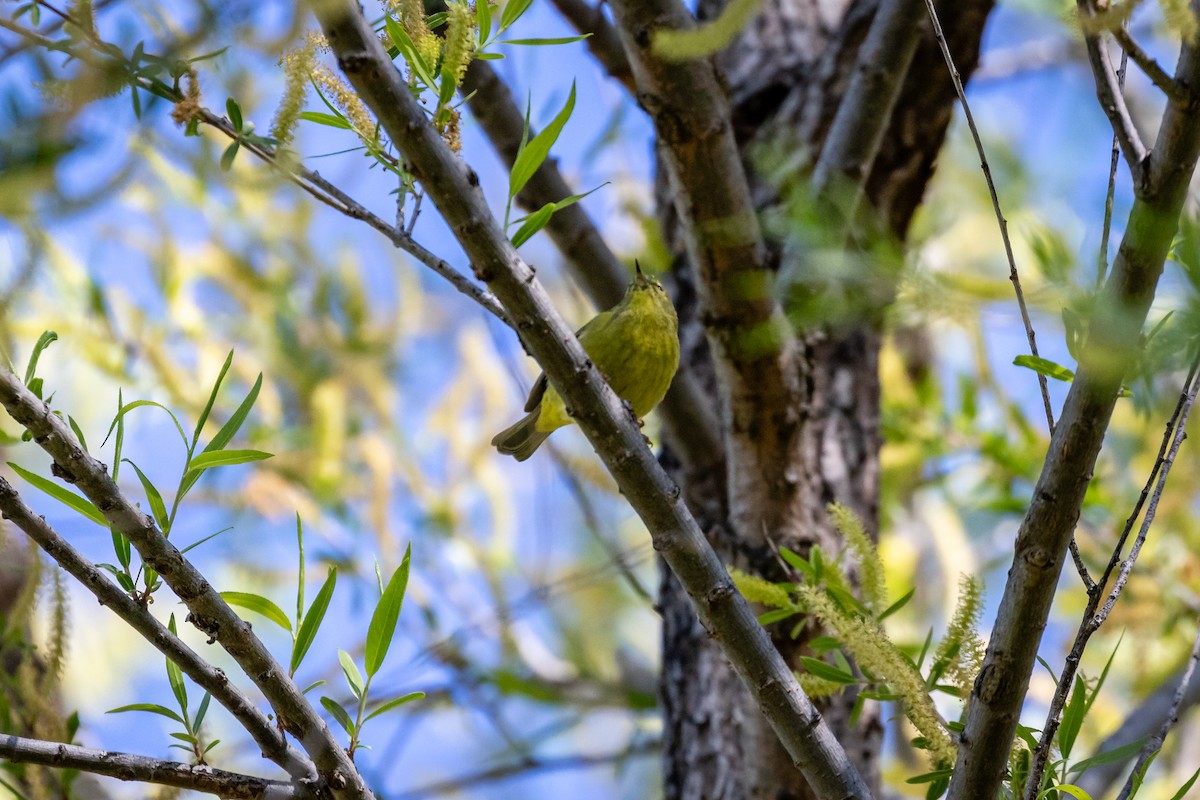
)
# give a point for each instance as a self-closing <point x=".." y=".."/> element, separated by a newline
<point x="637" y="266"/>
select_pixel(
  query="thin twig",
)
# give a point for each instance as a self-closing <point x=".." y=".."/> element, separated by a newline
<point x="1155" y="742"/>
<point x="1093" y="615"/>
<point x="128" y="767"/>
<point x="1157" y="75"/>
<point x="272" y="743"/>
<point x="1001" y="221"/>
<point x="1106" y="229"/>
<point x="1112" y="99"/>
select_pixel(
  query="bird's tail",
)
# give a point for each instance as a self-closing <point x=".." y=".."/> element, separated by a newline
<point x="521" y="439"/>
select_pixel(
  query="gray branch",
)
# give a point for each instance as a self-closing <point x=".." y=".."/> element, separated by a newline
<point x="1044" y="534"/>
<point x="208" y="611"/>
<point x="138" y="617"/>
<point x="1112" y="97"/>
<point x="127" y="767"/>
<point x="454" y="189"/>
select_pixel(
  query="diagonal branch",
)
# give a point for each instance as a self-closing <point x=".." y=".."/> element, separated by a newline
<point x="128" y="767"/>
<point x="1115" y="333"/>
<point x="454" y="189"/>
<point x="1157" y="75"/>
<point x="138" y="617"/>
<point x="1112" y="98"/>
<point x="208" y="611"/>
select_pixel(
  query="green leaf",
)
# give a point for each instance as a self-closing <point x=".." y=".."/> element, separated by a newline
<point x="121" y="549"/>
<point x="338" y="713"/>
<point x="397" y="702"/>
<point x="531" y="156"/>
<point x="775" y="615"/>
<point x="157" y="507"/>
<point x="175" y="676"/>
<point x="312" y="686"/>
<point x="300" y="580"/>
<point x="259" y="605"/>
<point x="77" y="431"/>
<point x="45" y="340"/>
<point x="899" y="604"/>
<point x="929" y="777"/>
<point x="212" y="399"/>
<point x="483" y="20"/>
<point x="229" y="155"/>
<point x="533" y="223"/>
<point x="330" y="120"/>
<point x="153" y="708"/>
<point x="1183" y="790"/>
<point x="205" y="539"/>
<point x="69" y="499"/>
<point x="537" y="42"/>
<point x="1109" y="756"/>
<point x="223" y="458"/>
<point x="1045" y="367"/>
<point x="1072" y="718"/>
<point x="1074" y="791"/>
<point x="822" y="670"/>
<point x="202" y="711"/>
<point x="125" y="409"/>
<point x="235" y="114"/>
<point x="513" y="9"/>
<point x="350" y="670"/>
<point x="488" y="57"/>
<point x="230" y="428"/>
<point x="387" y="612"/>
<point x="409" y="50"/>
<point x="312" y="620"/>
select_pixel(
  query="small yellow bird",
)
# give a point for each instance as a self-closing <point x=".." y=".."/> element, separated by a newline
<point x="634" y="345"/>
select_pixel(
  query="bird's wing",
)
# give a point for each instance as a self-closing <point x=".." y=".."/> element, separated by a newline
<point x="539" y="386"/>
<point x="535" y="393"/>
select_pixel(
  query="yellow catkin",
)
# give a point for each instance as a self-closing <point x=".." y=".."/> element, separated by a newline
<point x="460" y="41"/>
<point x="297" y="66"/>
<point x="412" y="18"/>
<point x="874" y="585"/>
<point x="189" y="107"/>
<point x="875" y="653"/>
<point x="961" y="637"/>
<point x="759" y="590"/>
<point x="1180" y="18"/>
<point x="344" y="98"/>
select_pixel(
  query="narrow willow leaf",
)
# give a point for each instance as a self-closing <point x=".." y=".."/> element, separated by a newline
<point x="533" y="223"/>
<point x="259" y="605"/>
<point x="212" y="399"/>
<point x="45" y="340"/>
<point x="350" y="670"/>
<point x="828" y="672"/>
<point x="222" y="458"/>
<point x="1045" y="367"/>
<point x="153" y="708"/>
<point x="312" y="620"/>
<point x="1072" y="717"/>
<point x="513" y="9"/>
<point x="483" y="20"/>
<point x="387" y="612"/>
<point x="329" y="120"/>
<point x="338" y="713"/>
<point x="157" y="507"/>
<point x="125" y="409"/>
<point x="230" y="428"/>
<point x="69" y="499"/>
<point x="1109" y="756"/>
<point x="396" y="703"/>
<point x="531" y="156"/>
<point x="539" y="42"/>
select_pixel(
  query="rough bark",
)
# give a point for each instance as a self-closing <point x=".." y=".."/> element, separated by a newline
<point x="786" y="74"/>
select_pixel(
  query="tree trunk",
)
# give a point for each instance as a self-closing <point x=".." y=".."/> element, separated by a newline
<point x="786" y="73"/>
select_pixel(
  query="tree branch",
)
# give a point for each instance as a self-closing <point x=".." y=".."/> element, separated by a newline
<point x="755" y="350"/>
<point x="273" y="744"/>
<point x="691" y="425"/>
<point x="1112" y="98"/>
<point x="208" y="611"/>
<point x="454" y="188"/>
<point x="1093" y="615"/>
<point x="1157" y="75"/>
<point x="866" y="107"/>
<point x="127" y="767"/>
<point x="1115" y="332"/>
